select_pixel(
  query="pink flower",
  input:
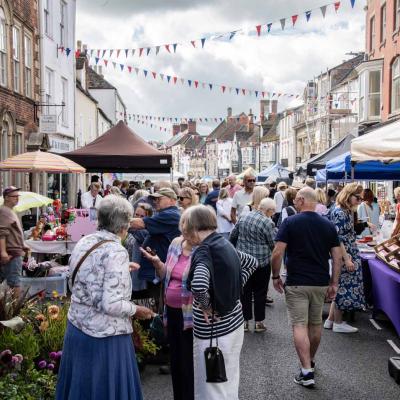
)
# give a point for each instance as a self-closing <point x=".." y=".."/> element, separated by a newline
<point x="42" y="364"/>
<point x="50" y="366"/>
<point x="53" y="355"/>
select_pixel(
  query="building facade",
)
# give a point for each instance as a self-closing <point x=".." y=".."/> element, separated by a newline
<point x="19" y="83"/>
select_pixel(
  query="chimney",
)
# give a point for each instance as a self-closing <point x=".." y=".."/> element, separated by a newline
<point x="79" y="45"/>
<point x="100" y="71"/>
<point x="229" y="112"/>
<point x="274" y="107"/>
<point x="192" y="126"/>
<point x="250" y="125"/>
<point x="175" y="129"/>
<point x="183" y="127"/>
<point x="264" y="109"/>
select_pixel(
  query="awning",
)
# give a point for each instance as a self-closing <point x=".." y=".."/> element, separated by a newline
<point x="273" y="173"/>
<point x="382" y="143"/>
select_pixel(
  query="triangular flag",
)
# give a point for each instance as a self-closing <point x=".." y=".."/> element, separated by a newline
<point x="232" y="34"/>
<point x="294" y="19"/>
<point x="105" y="62"/>
<point x="168" y="78"/>
<point x="174" y="46"/>
<point x="104" y="53"/>
<point x="202" y="42"/>
<point x="98" y="52"/>
<point x="122" y="66"/>
<point x="67" y="51"/>
<point x="145" y="73"/>
<point x="61" y="48"/>
<point x="223" y="89"/>
<point x="97" y="60"/>
<point x="352" y="2"/>
<point x="256" y="92"/>
<point x="244" y="91"/>
<point x="154" y="74"/>
<point x="148" y="50"/>
<point x="323" y="10"/>
<point x="118" y="51"/>
<point x="157" y="49"/>
<point x="210" y="86"/>
<point x="114" y="64"/>
<point x="175" y="79"/>
<point x="196" y="83"/>
<point x="189" y="82"/>
<point x="283" y="22"/>
<point x="162" y="76"/>
<point x="129" y="68"/>
<point x="230" y="89"/>
<point x="126" y="53"/>
<point x="258" y="28"/>
<point x="220" y="119"/>
<point x="263" y="94"/>
<point x="237" y="91"/>
<point x="193" y="43"/>
<point x="337" y="5"/>
<point x="308" y="15"/>
<point x="140" y="52"/>
<point x="167" y="47"/>
<point x="136" y="70"/>
<point x="182" y="81"/>
<point x="111" y="51"/>
<point x="91" y="53"/>
<point x="133" y="52"/>
<point x="77" y="53"/>
<point x="269" y="26"/>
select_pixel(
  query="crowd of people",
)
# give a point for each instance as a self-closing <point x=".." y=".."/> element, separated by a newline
<point x="211" y="251"/>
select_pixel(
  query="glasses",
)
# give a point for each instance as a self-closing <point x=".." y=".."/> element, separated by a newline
<point x="251" y="180"/>
<point x="182" y="197"/>
<point x="16" y="195"/>
<point x="358" y="197"/>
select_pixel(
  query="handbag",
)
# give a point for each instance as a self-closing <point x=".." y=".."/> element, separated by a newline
<point x="157" y="331"/>
<point x="215" y="363"/>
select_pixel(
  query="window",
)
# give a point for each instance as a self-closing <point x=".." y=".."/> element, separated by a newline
<point x="3" y="49"/>
<point x="63" y="24"/>
<point x="396" y="15"/>
<point x="361" y="110"/>
<point x="383" y="24"/>
<point x="17" y="58"/>
<point x="48" y="89"/>
<point x="372" y="34"/>
<point x="28" y="65"/>
<point x="374" y="93"/>
<point x="47" y="17"/>
<point x="64" y="101"/>
<point x="395" y="105"/>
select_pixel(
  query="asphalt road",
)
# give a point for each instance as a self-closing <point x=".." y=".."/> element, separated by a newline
<point x="348" y="366"/>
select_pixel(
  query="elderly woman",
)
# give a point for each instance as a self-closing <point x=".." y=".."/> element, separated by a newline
<point x="254" y="234"/>
<point x="279" y="198"/>
<point x="98" y="356"/>
<point x="217" y="274"/>
<point x="350" y="295"/>
<point x="224" y="205"/>
<point x="187" y="197"/>
<point x="290" y="209"/>
<point x="259" y="193"/>
<point x="321" y="208"/>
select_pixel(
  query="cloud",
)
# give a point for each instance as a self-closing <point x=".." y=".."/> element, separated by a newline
<point x="282" y="61"/>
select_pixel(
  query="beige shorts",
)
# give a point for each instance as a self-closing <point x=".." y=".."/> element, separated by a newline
<point x="305" y="303"/>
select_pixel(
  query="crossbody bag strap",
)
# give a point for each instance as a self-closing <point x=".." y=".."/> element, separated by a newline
<point x="94" y="247"/>
<point x="213" y="304"/>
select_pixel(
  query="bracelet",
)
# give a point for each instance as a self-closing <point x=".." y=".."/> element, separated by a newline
<point x="276" y="277"/>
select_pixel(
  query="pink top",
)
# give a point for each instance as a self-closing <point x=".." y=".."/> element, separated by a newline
<point x="233" y="190"/>
<point x="321" y="209"/>
<point x="174" y="290"/>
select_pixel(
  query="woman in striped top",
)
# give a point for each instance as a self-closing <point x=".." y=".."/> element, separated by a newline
<point x="217" y="275"/>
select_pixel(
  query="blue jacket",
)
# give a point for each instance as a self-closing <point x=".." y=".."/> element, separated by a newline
<point x="212" y="198"/>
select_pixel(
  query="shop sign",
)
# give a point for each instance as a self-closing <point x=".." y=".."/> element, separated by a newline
<point x="61" y="145"/>
<point x="48" y="123"/>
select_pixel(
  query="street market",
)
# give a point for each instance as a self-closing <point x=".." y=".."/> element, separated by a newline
<point x="152" y="248"/>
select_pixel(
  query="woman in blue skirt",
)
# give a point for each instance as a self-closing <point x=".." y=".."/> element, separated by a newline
<point x="98" y="361"/>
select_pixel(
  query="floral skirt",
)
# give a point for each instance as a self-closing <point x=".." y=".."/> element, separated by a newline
<point x="350" y="295"/>
<point x="97" y="368"/>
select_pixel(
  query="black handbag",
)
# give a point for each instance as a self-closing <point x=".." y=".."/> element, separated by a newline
<point x="214" y="359"/>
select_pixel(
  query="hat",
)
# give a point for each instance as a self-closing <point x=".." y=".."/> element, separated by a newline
<point x="297" y="185"/>
<point x="282" y="185"/>
<point x="10" y="189"/>
<point x="167" y="192"/>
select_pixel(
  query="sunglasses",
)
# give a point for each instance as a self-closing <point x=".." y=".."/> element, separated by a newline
<point x="181" y="198"/>
<point x="251" y="180"/>
<point x="358" y="197"/>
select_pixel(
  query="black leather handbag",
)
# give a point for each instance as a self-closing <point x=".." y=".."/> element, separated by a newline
<point x="215" y="363"/>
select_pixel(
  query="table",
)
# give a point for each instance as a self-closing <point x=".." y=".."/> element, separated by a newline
<point x="386" y="290"/>
<point x="52" y="247"/>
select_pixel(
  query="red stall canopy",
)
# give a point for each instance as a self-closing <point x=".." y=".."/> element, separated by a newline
<point x="121" y="150"/>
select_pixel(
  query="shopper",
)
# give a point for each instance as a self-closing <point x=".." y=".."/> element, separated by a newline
<point x="217" y="274"/>
<point x="203" y="190"/>
<point x="279" y="199"/>
<point x="212" y="197"/>
<point x="254" y="234"/>
<point x="232" y="186"/>
<point x="92" y="198"/>
<point x="259" y="193"/>
<point x="290" y="209"/>
<point x="99" y="359"/>
<point x="368" y="210"/>
<point x="242" y="197"/>
<point x="309" y="241"/>
<point x="187" y="198"/>
<point x="321" y="208"/>
<point x="224" y="205"/>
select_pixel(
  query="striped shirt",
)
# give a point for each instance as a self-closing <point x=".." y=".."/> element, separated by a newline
<point x="201" y="300"/>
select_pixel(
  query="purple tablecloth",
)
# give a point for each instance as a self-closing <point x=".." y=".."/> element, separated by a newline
<point x="386" y="290"/>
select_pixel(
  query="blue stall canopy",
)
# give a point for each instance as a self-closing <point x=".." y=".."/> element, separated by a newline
<point x="273" y="173"/>
<point x="339" y="168"/>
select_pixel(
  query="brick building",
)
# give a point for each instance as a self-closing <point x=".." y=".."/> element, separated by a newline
<point x="19" y="80"/>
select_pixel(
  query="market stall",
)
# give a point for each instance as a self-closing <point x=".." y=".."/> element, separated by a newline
<point x="275" y="173"/>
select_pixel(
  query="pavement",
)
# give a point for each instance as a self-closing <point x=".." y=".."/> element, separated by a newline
<point x="352" y="366"/>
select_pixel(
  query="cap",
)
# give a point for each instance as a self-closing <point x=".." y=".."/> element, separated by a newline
<point x="167" y="192"/>
<point x="10" y="189"/>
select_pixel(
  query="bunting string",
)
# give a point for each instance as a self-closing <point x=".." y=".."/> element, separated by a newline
<point x="262" y="29"/>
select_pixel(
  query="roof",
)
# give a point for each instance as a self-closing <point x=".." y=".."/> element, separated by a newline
<point x="271" y="135"/>
<point x="103" y="114"/>
<point x="226" y="130"/>
<point x="80" y="62"/>
<point x="121" y="150"/>
<point x="85" y="92"/>
<point x="96" y="81"/>
<point x="342" y="71"/>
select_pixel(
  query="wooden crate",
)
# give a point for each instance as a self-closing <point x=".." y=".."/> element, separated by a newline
<point x="389" y="252"/>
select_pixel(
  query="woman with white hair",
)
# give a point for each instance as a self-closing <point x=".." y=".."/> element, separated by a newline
<point x="98" y="359"/>
<point x="224" y="205"/>
<point x="259" y="193"/>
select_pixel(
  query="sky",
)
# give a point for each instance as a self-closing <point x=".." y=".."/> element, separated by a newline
<point x="281" y="61"/>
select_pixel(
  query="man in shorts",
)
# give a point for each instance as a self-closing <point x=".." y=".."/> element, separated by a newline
<point x="12" y="245"/>
<point x="309" y="241"/>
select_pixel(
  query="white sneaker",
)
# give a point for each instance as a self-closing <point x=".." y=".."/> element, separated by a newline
<point x="344" y="328"/>
<point x="328" y="324"/>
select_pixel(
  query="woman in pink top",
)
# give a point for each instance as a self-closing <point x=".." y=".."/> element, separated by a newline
<point x="178" y="313"/>
<point x="321" y="208"/>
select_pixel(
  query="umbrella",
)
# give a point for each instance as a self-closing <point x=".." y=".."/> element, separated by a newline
<point x="29" y="200"/>
<point x="40" y="161"/>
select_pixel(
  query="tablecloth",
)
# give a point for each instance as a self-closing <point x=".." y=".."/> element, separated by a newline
<point x="386" y="290"/>
<point x="51" y="247"/>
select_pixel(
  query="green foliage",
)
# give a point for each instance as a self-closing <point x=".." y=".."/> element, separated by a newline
<point x="24" y="342"/>
<point x="32" y="385"/>
<point x="144" y="344"/>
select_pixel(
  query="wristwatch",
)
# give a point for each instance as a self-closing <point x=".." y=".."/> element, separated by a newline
<point x="276" y="277"/>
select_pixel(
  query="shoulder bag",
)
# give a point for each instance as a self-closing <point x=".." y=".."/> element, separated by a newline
<point x="94" y="247"/>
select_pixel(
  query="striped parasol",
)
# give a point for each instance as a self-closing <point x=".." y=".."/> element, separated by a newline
<point x="40" y="161"/>
<point x="29" y="200"/>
